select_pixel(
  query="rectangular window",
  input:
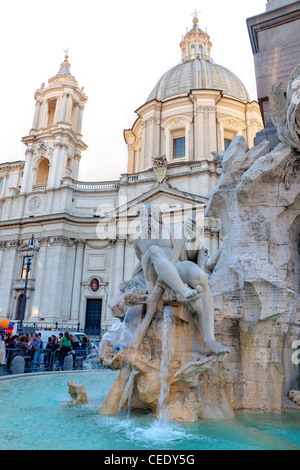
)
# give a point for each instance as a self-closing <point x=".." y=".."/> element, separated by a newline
<point x="227" y="142"/>
<point x="24" y="267"/>
<point x="179" y="148"/>
<point x="1" y="183"/>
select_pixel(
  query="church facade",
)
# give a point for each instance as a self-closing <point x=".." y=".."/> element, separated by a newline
<point x="83" y="230"/>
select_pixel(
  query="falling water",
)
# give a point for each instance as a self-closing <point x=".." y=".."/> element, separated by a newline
<point x="129" y="339"/>
<point x="166" y="361"/>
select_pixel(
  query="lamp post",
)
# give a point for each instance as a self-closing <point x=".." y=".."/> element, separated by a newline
<point x="28" y="268"/>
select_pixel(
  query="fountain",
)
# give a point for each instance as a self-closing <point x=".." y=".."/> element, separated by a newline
<point x="195" y="338"/>
<point x="247" y="294"/>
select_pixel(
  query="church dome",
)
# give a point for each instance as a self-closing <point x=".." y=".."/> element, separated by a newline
<point x="195" y="74"/>
<point x="197" y="71"/>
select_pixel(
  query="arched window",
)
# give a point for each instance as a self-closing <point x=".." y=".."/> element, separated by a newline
<point x="51" y="111"/>
<point x="43" y="171"/>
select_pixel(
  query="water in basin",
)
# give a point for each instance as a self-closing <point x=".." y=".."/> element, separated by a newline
<point x="33" y="419"/>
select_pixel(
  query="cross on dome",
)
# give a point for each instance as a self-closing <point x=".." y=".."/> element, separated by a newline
<point x="195" y="13"/>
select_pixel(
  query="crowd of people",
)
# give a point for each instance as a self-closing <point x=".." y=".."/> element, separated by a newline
<point x="31" y="347"/>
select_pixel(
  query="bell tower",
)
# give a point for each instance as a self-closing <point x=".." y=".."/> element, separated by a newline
<point x="54" y="143"/>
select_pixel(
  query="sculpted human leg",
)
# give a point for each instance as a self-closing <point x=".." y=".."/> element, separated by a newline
<point x="194" y="276"/>
<point x="166" y="272"/>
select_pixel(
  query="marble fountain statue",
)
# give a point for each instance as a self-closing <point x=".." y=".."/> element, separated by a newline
<point x="200" y="338"/>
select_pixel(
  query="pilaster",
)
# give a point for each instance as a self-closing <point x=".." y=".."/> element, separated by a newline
<point x="76" y="289"/>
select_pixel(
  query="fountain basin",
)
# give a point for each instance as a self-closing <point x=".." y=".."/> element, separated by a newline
<point x="34" y="420"/>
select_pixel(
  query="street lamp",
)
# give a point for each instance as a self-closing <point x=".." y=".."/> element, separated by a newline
<point x="31" y="245"/>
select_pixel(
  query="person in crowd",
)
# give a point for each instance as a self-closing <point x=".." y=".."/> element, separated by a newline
<point x="60" y="337"/>
<point x="75" y="347"/>
<point x="64" y="348"/>
<point x="47" y="354"/>
<point x="34" y="347"/>
<point x="28" y="338"/>
<point x="86" y="344"/>
<point x="10" y="344"/>
<point x="51" y="348"/>
<point x="21" y="347"/>
<point x="75" y="343"/>
<point x="40" y="338"/>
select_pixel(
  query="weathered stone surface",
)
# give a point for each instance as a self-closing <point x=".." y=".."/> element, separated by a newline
<point x="256" y="280"/>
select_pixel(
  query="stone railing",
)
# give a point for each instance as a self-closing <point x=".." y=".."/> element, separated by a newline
<point x="91" y="186"/>
<point x="39" y="187"/>
<point x="205" y="165"/>
<point x="132" y="178"/>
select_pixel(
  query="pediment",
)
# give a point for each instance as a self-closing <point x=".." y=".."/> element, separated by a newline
<point x="166" y="197"/>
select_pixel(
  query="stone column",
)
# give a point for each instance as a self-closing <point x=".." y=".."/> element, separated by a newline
<point x="57" y="114"/>
<point x="75" y="118"/>
<point x="69" y="109"/>
<point x="36" y="114"/>
<point x="64" y="108"/>
<point x="76" y="162"/>
<point x="221" y="133"/>
<point x="153" y="129"/>
<point x="54" y="280"/>
<point x="130" y="148"/>
<point x="142" y="162"/>
<point x="199" y="134"/>
<point x="27" y="177"/>
<point x="44" y="115"/>
<point x="212" y="119"/>
<point x="187" y="141"/>
<point x="168" y="146"/>
<point x="76" y="290"/>
<point x="118" y="271"/>
<point x="80" y="117"/>
<point x="39" y="275"/>
<point x="130" y="260"/>
<point x="206" y="132"/>
<point x="55" y="170"/>
<point x="5" y="184"/>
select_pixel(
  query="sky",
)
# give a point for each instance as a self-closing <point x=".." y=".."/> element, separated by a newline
<point x="118" y="51"/>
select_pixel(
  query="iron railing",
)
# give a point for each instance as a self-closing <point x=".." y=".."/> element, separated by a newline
<point x="94" y="333"/>
<point x="46" y="360"/>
